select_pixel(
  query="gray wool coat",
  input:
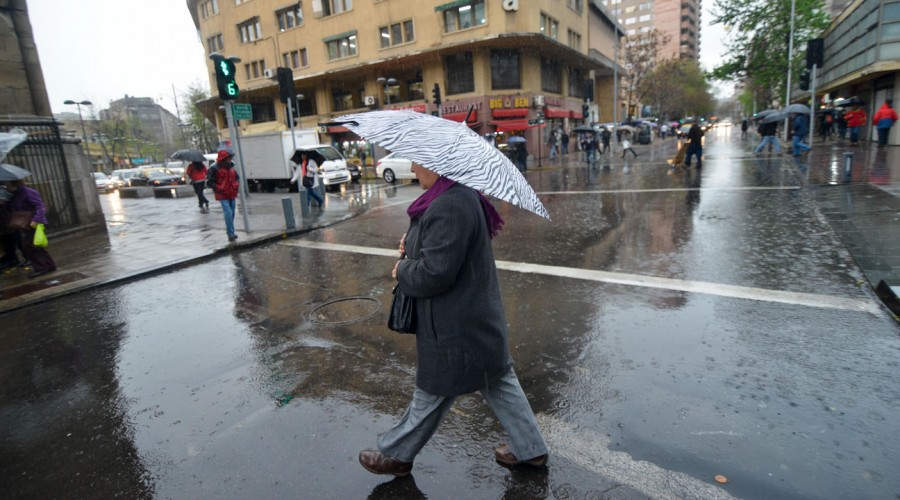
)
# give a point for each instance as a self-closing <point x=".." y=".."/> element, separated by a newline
<point x="461" y="337"/>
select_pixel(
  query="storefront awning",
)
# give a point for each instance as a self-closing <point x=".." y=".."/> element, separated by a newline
<point x="556" y="113"/>
<point x="576" y="115"/>
<point x="508" y="125"/>
<point x="459" y="117"/>
<point x="340" y="129"/>
<point x="509" y="113"/>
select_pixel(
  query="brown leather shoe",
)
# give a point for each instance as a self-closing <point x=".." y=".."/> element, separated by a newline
<point x="506" y="457"/>
<point x="378" y="463"/>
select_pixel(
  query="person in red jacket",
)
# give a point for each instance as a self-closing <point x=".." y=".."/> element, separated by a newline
<point x="856" y="118"/>
<point x="226" y="187"/>
<point x="196" y="171"/>
<point x="883" y="120"/>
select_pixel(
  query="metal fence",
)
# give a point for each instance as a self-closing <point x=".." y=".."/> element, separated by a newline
<point x="42" y="153"/>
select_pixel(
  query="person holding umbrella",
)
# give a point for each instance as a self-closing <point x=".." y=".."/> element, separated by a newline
<point x="449" y="270"/>
<point x="855" y="118"/>
<point x="800" y="131"/>
<point x="883" y="120"/>
<point x="26" y="199"/>
<point x="196" y="172"/>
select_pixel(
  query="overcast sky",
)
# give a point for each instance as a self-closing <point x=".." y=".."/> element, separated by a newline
<point x="100" y="50"/>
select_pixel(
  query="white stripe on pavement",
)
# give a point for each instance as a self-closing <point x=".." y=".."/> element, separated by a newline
<point x="590" y="450"/>
<point x="679" y="190"/>
<point x="733" y="291"/>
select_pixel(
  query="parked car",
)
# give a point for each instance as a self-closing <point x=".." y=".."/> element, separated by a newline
<point x="122" y="177"/>
<point x="104" y="183"/>
<point x="393" y="167"/>
<point x="355" y="171"/>
<point x="332" y="166"/>
<point x="156" y="176"/>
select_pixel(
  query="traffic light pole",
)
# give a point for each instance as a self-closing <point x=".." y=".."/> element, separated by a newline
<point x="232" y="129"/>
<point x="812" y="104"/>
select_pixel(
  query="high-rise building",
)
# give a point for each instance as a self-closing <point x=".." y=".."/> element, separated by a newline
<point x="509" y="62"/>
<point x="680" y="19"/>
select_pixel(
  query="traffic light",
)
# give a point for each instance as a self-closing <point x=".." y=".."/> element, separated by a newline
<point x="228" y="87"/>
<point x="436" y="93"/>
<point x="585" y="110"/>
<point x="815" y="52"/>
<point x="285" y="84"/>
<point x="804" y="80"/>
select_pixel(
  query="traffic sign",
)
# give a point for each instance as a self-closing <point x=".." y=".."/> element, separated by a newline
<point x="532" y="123"/>
<point x="242" y="111"/>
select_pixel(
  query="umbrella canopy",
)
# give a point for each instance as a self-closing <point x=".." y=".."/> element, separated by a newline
<point x="765" y="112"/>
<point x="12" y="173"/>
<point x="449" y="149"/>
<point x="188" y="155"/>
<point x="11" y="139"/>
<point x="515" y="139"/>
<point x="626" y="128"/>
<point x="583" y="129"/>
<point x="775" y="117"/>
<point x="796" y="108"/>
<point x="853" y="101"/>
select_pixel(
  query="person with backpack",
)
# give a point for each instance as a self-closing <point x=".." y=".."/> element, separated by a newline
<point x="223" y="178"/>
<point x="883" y="120"/>
<point x="768" y="132"/>
<point x="196" y="172"/>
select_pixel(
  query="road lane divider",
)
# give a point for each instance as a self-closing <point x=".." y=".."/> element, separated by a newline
<point x="638" y="280"/>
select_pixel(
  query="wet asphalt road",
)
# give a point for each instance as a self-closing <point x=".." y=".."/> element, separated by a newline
<point x="667" y="327"/>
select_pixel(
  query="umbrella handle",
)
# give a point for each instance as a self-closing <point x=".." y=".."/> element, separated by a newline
<point x="471" y="108"/>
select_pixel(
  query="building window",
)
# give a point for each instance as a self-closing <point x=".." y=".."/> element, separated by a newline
<point x="342" y="100"/>
<point x="460" y="73"/>
<point x="250" y="30"/>
<point x="576" y="82"/>
<point x="645" y="18"/>
<point x="290" y="17"/>
<point x="238" y="2"/>
<point x="549" y="26"/>
<point x="209" y="8"/>
<point x="215" y="43"/>
<point x="465" y="16"/>
<point x="575" y="5"/>
<point x="396" y="34"/>
<point x="505" y="73"/>
<point x="295" y="59"/>
<point x="574" y="40"/>
<point x="332" y="7"/>
<point x="255" y="69"/>
<point x="344" y="46"/>
<point x="263" y="111"/>
<point x="551" y="76"/>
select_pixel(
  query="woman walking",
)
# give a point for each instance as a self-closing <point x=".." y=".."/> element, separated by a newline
<point x="196" y="172"/>
<point x="26" y="199"/>
<point x="307" y="170"/>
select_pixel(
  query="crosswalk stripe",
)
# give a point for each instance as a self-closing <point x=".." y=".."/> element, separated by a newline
<point x="717" y="289"/>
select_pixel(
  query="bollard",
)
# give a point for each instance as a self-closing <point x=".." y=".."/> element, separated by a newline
<point x="304" y="203"/>
<point x="288" y="208"/>
<point x="848" y="166"/>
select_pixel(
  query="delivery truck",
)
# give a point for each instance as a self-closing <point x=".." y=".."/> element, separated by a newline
<point x="267" y="158"/>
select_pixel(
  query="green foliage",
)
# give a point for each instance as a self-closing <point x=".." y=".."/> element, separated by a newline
<point x="679" y="88"/>
<point x="759" y="34"/>
<point x="203" y="135"/>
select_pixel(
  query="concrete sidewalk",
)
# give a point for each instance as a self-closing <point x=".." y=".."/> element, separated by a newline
<point x="151" y="235"/>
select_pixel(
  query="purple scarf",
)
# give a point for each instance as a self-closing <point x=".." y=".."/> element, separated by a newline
<point x="491" y="216"/>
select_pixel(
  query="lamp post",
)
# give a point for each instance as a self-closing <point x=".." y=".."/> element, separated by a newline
<point x="387" y="83"/>
<point x="81" y="119"/>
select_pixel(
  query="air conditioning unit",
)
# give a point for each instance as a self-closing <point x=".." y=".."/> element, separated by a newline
<point x="537" y="101"/>
<point x="510" y="5"/>
<point x="270" y="73"/>
<point x="323" y="129"/>
<point x="369" y="100"/>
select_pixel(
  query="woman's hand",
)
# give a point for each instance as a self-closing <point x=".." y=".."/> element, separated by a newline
<point x="394" y="272"/>
<point x="403" y="244"/>
<point x="33" y="224"/>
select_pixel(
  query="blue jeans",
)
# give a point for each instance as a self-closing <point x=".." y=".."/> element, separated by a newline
<point x="313" y="193"/>
<point x="768" y="139"/>
<point x="228" y="212"/>
<point x="693" y="150"/>
<point x="425" y="412"/>
<point x="799" y="145"/>
<point x="854" y="134"/>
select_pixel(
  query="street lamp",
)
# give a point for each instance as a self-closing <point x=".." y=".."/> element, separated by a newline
<point x="387" y="83"/>
<point x="80" y="104"/>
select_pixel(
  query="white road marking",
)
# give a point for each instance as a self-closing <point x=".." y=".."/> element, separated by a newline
<point x="590" y="450"/>
<point x="679" y="190"/>
<point x="721" y="290"/>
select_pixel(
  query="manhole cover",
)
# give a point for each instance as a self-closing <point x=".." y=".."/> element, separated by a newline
<point x="345" y="310"/>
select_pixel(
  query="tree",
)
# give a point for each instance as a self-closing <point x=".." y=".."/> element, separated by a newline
<point x="640" y="57"/>
<point x="758" y="50"/>
<point x="203" y="135"/>
<point x="679" y="88"/>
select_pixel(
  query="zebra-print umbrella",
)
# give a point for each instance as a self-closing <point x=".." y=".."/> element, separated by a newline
<point x="449" y="149"/>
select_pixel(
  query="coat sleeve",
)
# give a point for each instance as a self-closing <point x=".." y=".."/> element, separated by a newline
<point x="446" y="230"/>
<point x="298" y="171"/>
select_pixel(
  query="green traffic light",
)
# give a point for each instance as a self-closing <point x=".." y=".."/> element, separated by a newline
<point x="223" y="66"/>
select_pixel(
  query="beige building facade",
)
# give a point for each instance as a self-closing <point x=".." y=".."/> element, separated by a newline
<point x="680" y="19"/>
<point x="504" y="63"/>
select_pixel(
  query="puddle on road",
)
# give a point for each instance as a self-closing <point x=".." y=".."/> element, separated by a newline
<point x="49" y="282"/>
<point x="345" y="310"/>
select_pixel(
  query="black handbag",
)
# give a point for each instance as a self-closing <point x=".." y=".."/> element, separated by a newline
<point x="308" y="182"/>
<point x="402" y="318"/>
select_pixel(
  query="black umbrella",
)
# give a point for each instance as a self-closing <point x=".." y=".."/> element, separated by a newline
<point x="190" y="155"/>
<point x="12" y="173"/>
<point x="583" y="129"/>
<point x="853" y="101"/>
<point x="312" y="153"/>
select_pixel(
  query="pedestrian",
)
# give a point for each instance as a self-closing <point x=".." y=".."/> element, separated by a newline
<point x="663" y="131"/>
<point x="605" y="137"/>
<point x="590" y="147"/>
<point x="883" y="120"/>
<point x="307" y="170"/>
<point x="800" y="131"/>
<point x="564" y="138"/>
<point x="768" y="132"/>
<point x="26" y="199"/>
<point x="856" y="118"/>
<point x="841" y="126"/>
<point x="745" y="124"/>
<point x="695" y="145"/>
<point x="225" y="182"/>
<point x="553" y="143"/>
<point x="626" y="147"/>
<point x="461" y="334"/>
<point x="196" y="172"/>
<point x="521" y="156"/>
<point x="8" y="237"/>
